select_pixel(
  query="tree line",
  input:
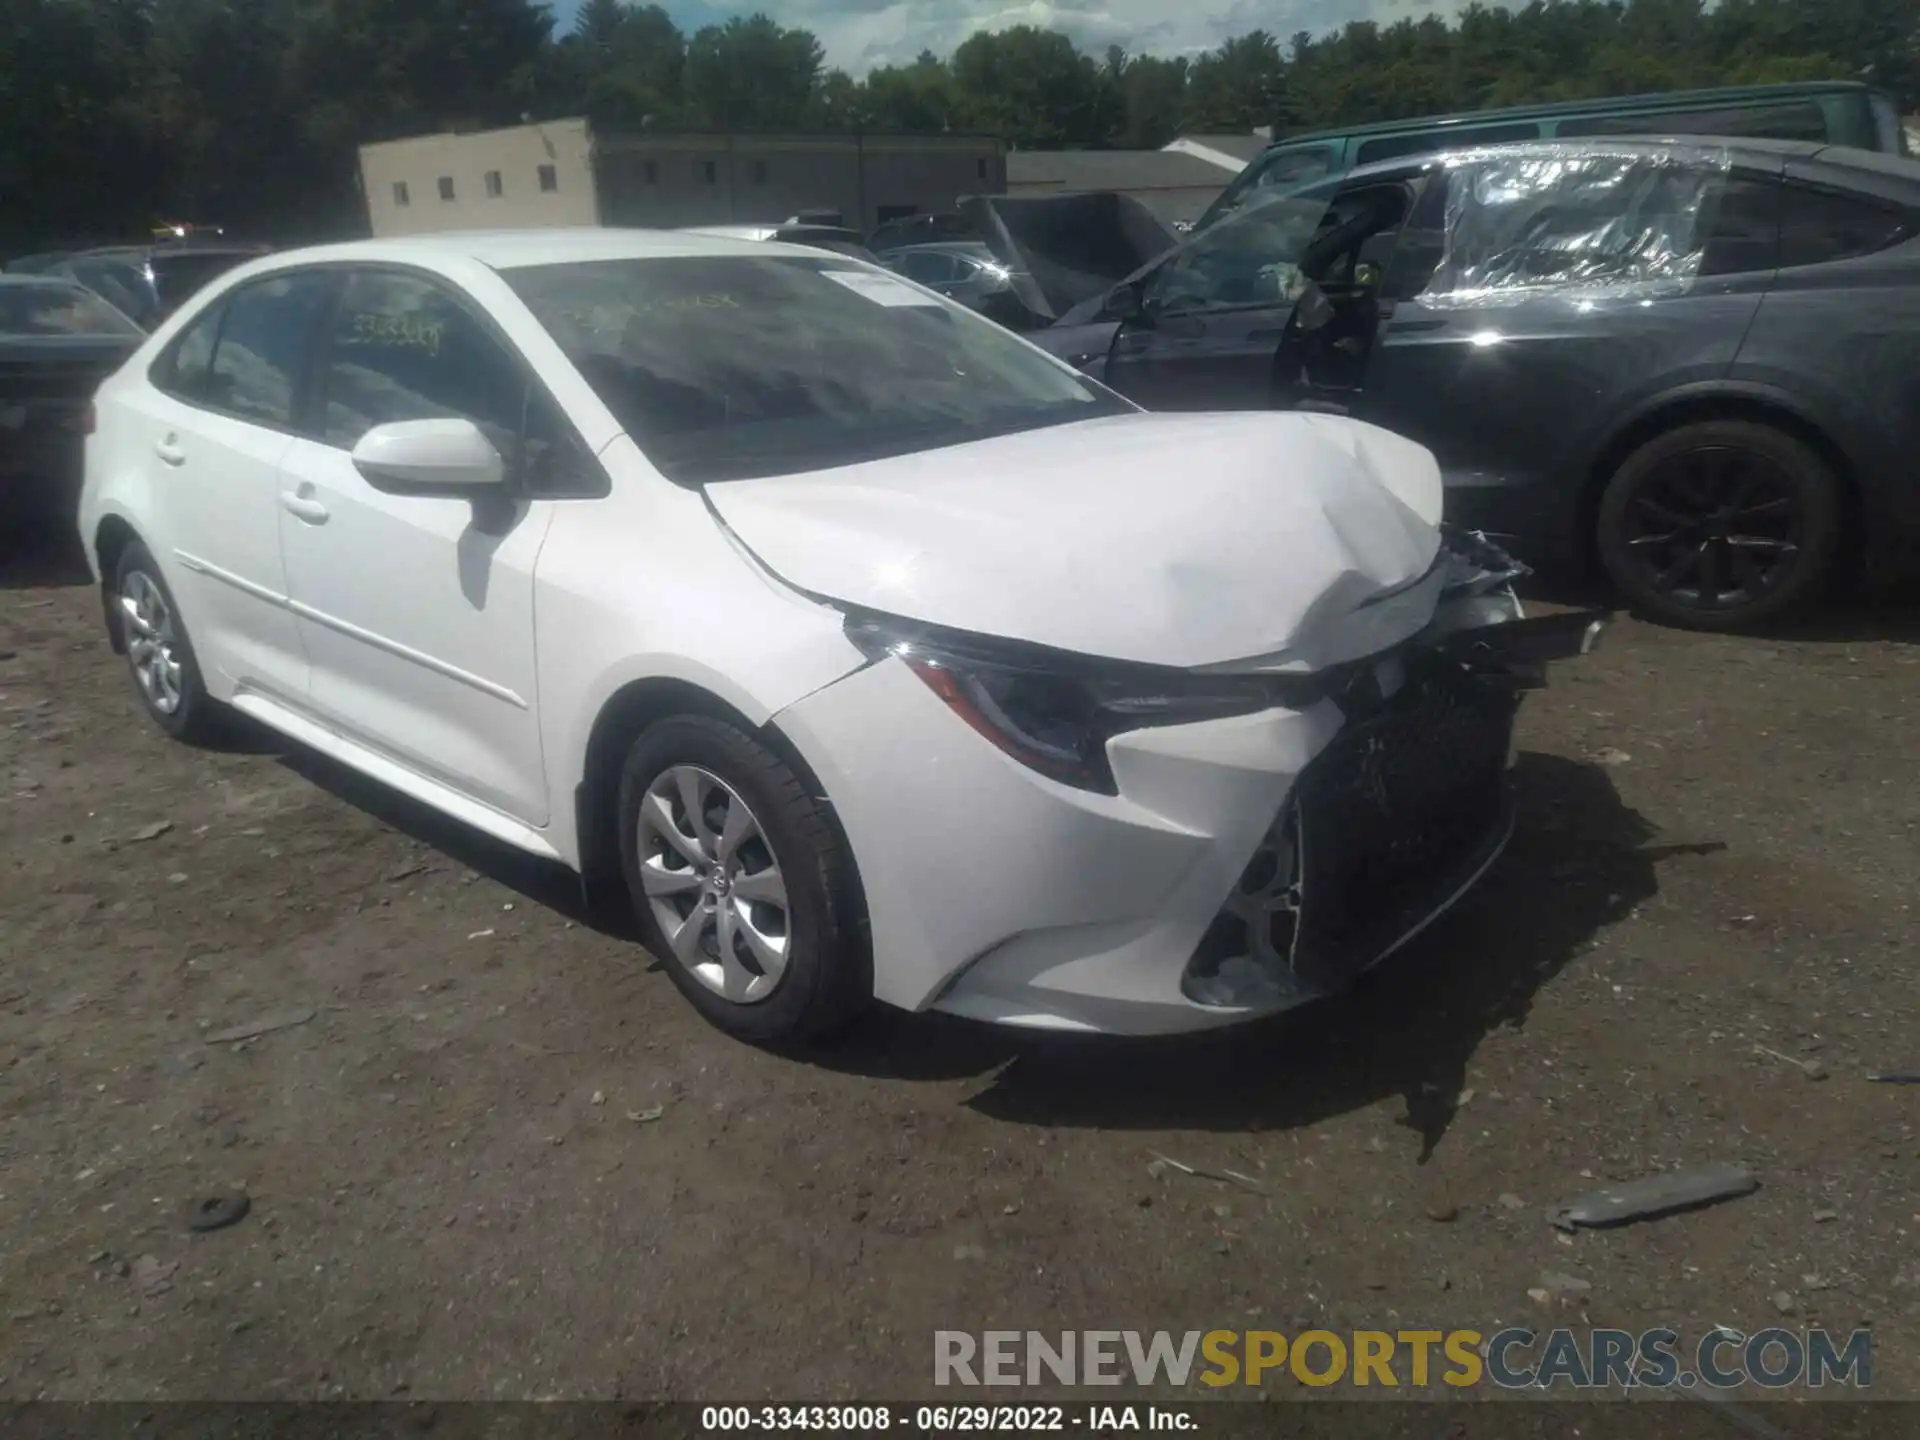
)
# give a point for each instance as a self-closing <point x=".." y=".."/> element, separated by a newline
<point x="117" y="114"/>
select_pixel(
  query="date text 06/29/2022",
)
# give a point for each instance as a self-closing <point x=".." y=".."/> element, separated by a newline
<point x="945" y="1419"/>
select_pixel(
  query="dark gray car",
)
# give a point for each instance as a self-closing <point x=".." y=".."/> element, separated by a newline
<point x="967" y="272"/>
<point x="1697" y="362"/>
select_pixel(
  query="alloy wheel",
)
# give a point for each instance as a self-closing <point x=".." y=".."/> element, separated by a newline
<point x="1715" y="527"/>
<point x="713" y="884"/>
<point x="153" y="644"/>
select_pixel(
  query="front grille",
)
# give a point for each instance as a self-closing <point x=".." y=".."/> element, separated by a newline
<point x="1396" y="814"/>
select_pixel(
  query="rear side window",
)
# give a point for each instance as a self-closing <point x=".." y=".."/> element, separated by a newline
<point x="1426" y="142"/>
<point x="263" y="346"/>
<point x="1741" y="226"/>
<point x="182" y="371"/>
<point x="928" y="267"/>
<point x="1818" y="226"/>
<point x="1888" y="133"/>
<point x="1796" y="120"/>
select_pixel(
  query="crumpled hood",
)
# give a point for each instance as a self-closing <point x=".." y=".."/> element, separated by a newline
<point x="1184" y="540"/>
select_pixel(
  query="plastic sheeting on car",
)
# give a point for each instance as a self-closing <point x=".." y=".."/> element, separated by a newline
<point x="1579" y="225"/>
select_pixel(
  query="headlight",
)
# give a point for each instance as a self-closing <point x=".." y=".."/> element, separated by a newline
<point x="1055" y="712"/>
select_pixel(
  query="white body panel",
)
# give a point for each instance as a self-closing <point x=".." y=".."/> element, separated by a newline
<point x="465" y="657"/>
<point x="417" y="618"/>
<point x="1182" y="540"/>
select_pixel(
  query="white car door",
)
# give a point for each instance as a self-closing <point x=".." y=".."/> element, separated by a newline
<point x="417" y="610"/>
<point x="214" y="424"/>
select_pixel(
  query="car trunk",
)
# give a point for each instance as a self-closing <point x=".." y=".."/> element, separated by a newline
<point x="45" y="389"/>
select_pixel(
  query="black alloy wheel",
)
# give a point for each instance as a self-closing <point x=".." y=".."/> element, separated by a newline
<point x="1720" y="525"/>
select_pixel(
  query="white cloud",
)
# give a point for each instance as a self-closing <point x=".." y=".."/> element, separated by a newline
<point x="859" y="34"/>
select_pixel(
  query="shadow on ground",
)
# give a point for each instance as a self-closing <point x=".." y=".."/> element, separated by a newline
<point x="545" y="882"/>
<point x="40" y="556"/>
<point x="1580" y="860"/>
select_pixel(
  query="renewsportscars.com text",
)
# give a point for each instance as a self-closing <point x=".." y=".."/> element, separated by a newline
<point x="1513" y="1358"/>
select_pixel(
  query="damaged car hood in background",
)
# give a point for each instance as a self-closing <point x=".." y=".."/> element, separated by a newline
<point x="1286" y="541"/>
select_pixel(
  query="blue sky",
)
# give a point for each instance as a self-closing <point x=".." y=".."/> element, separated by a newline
<point x="859" y="34"/>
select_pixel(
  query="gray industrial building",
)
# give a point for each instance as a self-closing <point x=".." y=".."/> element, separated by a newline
<point x="565" y="172"/>
<point x="1177" y="182"/>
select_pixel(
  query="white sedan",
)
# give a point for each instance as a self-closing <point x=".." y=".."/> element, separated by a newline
<point x="880" y="654"/>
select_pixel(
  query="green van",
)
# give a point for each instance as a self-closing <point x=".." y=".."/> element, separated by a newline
<point x="1837" y="112"/>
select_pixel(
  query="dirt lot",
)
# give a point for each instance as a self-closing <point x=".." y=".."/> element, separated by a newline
<point x="456" y="1193"/>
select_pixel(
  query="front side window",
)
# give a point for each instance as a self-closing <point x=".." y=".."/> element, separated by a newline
<point x="264" y="339"/>
<point x="727" y="367"/>
<point x="1252" y="258"/>
<point x="402" y="348"/>
<point x="45" y="311"/>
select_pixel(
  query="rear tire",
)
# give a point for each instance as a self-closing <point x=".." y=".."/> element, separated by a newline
<point x="1720" y="525"/>
<point x="740" y="883"/>
<point x="160" y="658"/>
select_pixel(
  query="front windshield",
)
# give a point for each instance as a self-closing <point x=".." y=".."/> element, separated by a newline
<point x="729" y="367"/>
<point x="46" y="311"/>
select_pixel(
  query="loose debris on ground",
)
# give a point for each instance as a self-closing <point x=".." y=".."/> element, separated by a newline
<point x="439" y="1210"/>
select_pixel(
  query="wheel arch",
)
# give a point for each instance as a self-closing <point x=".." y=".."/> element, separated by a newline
<point x="1719" y="402"/>
<point x="112" y="538"/>
<point x="621" y="718"/>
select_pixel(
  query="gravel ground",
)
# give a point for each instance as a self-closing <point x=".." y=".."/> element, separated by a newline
<point x="498" y="1157"/>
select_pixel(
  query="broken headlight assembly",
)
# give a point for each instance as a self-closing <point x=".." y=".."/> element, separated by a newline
<point x="1054" y="712"/>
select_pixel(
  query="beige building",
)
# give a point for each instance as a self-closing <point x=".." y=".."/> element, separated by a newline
<point x="563" y="172"/>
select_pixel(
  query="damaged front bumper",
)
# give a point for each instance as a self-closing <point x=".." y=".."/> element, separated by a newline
<point x="1405" y="809"/>
<point x="1238" y="865"/>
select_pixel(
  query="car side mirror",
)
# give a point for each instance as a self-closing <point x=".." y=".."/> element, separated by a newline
<point x="1125" y="304"/>
<point x="430" y="457"/>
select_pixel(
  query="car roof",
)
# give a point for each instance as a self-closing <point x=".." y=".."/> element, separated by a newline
<point x="1654" y="100"/>
<point x="1737" y="151"/>
<point x="731" y="232"/>
<point x="43" y="281"/>
<point x="947" y="247"/>
<point x="516" y="249"/>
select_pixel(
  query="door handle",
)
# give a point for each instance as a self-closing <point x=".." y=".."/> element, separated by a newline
<point x="169" y="450"/>
<point x="301" y="508"/>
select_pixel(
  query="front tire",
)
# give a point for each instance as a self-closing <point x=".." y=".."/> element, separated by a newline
<point x="740" y="882"/>
<point x="165" y="671"/>
<point x="1720" y="525"/>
